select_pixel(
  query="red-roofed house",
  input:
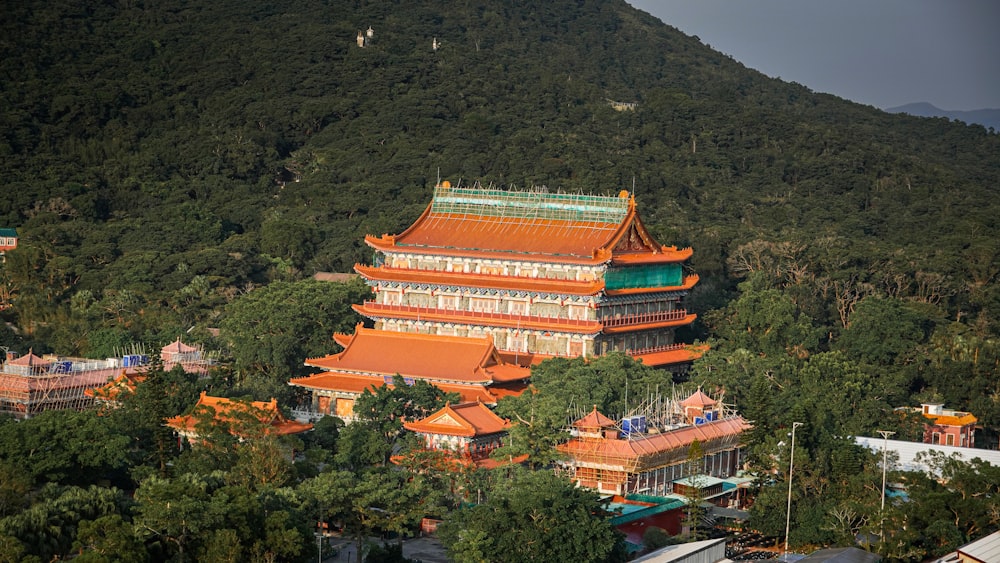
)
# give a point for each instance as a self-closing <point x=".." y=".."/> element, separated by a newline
<point x="372" y="358"/>
<point x="541" y="274"/>
<point x="229" y="411"/>
<point x="946" y="427"/>
<point x="601" y="457"/>
<point x="470" y="430"/>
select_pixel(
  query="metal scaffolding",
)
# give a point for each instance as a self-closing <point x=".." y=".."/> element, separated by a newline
<point x="532" y="205"/>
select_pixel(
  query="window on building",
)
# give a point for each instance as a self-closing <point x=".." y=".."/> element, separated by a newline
<point x="949" y="439"/>
<point x="391" y="297"/>
<point x="482" y="304"/>
<point x="449" y="302"/>
<point x="936" y="438"/>
<point x="518" y="308"/>
<point x="518" y="343"/>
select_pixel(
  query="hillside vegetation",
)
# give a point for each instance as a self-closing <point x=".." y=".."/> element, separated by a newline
<point x="164" y="161"/>
<point x="162" y="158"/>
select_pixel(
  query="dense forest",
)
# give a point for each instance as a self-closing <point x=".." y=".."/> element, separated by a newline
<point x="183" y="166"/>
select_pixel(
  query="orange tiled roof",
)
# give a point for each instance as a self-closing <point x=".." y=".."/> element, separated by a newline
<point x="464" y="419"/>
<point x="31" y="360"/>
<point x="962" y="419"/>
<point x="222" y="408"/>
<point x="540" y="236"/>
<point x="673" y="356"/>
<point x="594" y="421"/>
<point x="698" y="399"/>
<point x="538" y="285"/>
<point x="178" y="347"/>
<point x="422" y="356"/>
<point x="110" y="391"/>
<point x="651" y="444"/>
<point x="357" y="384"/>
<point x="371" y="309"/>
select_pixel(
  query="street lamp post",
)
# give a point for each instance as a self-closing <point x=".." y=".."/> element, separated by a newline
<point x="791" y="467"/>
<point x="885" y="443"/>
<point x="885" y="446"/>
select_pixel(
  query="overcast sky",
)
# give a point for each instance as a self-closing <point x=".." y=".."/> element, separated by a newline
<point x="883" y="53"/>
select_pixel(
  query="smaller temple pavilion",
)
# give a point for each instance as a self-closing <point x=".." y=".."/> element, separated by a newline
<point x="633" y="457"/>
<point x="371" y="358"/>
<point x="228" y="411"/>
<point x="470" y="431"/>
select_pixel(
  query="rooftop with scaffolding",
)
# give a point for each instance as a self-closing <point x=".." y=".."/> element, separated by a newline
<point x="31" y="384"/>
<point x="648" y="449"/>
<point x="538" y="224"/>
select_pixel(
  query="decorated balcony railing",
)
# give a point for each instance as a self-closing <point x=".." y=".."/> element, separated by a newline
<point x="477" y="317"/>
<point x="645" y="318"/>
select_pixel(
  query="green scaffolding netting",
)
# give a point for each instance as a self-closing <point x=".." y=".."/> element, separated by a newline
<point x="651" y="275"/>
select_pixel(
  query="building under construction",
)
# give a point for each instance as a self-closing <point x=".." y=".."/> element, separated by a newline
<point x="32" y="384"/>
<point x="649" y="453"/>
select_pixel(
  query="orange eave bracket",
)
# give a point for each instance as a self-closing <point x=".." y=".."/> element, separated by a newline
<point x="671" y="357"/>
<point x="669" y="255"/>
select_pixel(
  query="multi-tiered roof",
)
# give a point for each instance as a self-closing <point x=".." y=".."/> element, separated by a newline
<point x="372" y="358"/>
<point x="517" y="275"/>
<point x="570" y="249"/>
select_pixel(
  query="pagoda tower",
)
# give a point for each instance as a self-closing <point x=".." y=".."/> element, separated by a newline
<point x="541" y="274"/>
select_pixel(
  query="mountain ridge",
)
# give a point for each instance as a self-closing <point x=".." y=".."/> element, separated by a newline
<point x="987" y="117"/>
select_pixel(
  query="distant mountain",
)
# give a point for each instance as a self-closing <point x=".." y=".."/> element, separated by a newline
<point x="985" y="117"/>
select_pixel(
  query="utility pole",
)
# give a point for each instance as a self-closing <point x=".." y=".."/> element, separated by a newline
<point x="791" y="467"/>
<point x="885" y="443"/>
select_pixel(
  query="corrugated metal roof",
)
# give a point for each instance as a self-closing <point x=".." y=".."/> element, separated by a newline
<point x="985" y="549"/>
<point x="907" y="452"/>
<point x="698" y="551"/>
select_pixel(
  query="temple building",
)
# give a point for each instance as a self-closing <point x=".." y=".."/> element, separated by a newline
<point x="487" y="282"/>
<point x="471" y="367"/>
<point x="228" y="411"/>
<point x="540" y="274"/>
<point x="650" y="455"/>
<point x="469" y="432"/>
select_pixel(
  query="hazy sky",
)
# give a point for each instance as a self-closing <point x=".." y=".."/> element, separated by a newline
<point x="883" y="53"/>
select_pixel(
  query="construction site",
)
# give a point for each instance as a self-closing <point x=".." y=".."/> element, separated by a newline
<point x="652" y="449"/>
<point x="31" y="384"/>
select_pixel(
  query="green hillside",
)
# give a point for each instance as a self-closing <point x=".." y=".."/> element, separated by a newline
<point x="182" y="165"/>
<point x="140" y="137"/>
<point x="147" y="147"/>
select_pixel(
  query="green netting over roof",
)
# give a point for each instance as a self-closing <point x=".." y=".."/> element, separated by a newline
<point x="485" y="202"/>
<point x="649" y="275"/>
